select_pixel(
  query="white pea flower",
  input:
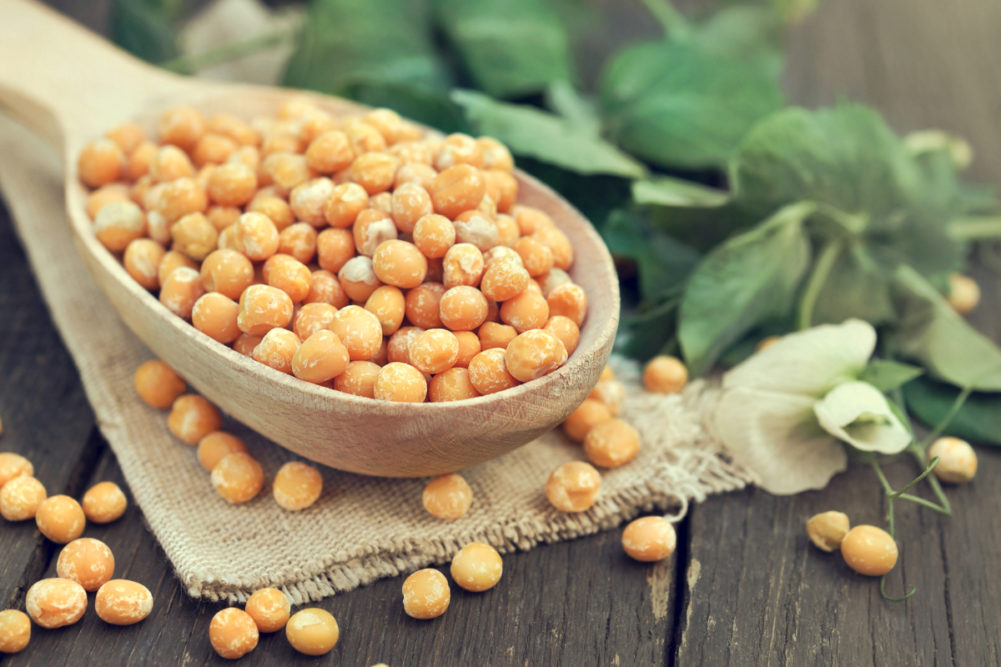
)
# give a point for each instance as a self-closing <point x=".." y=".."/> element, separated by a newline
<point x="784" y="412"/>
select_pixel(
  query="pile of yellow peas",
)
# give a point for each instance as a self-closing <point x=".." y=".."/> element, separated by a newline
<point x="235" y="474"/>
<point x="359" y="253"/>
<point x="84" y="565"/>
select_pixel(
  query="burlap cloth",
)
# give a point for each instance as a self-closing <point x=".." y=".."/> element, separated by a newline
<point x="362" y="528"/>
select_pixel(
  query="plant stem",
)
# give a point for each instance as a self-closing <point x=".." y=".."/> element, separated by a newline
<point x="975" y="228"/>
<point x="889" y="598"/>
<point x="189" y="64"/>
<point x="675" y="25"/>
<point x="943" y="423"/>
<point x="926" y="503"/>
<point x="821" y="271"/>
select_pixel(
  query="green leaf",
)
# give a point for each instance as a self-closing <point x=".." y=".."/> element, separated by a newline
<point x="545" y="136"/>
<point x="744" y="32"/>
<point x="563" y="98"/>
<point x="148" y="28"/>
<point x="663" y="263"/>
<point x="886" y="374"/>
<point x="845" y="157"/>
<point x="848" y="160"/>
<point x="931" y="332"/>
<point x="346" y="43"/>
<point x="979" y="420"/>
<point x="670" y="191"/>
<point x="856" y="287"/>
<point x="678" y="105"/>
<point x="510" y="47"/>
<point x="741" y="283"/>
<point x="859" y="414"/>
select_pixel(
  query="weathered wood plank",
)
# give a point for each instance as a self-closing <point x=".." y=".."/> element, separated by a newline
<point x="45" y="414"/>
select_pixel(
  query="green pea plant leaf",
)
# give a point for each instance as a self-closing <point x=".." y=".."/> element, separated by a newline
<point x="978" y="420"/>
<point x="546" y="136"/>
<point x="346" y="44"/>
<point x="742" y="282"/>
<point x="510" y="48"/>
<point x="931" y="332"/>
<point x="887" y="375"/>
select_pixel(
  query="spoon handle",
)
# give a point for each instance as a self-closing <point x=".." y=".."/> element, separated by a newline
<point x="65" y="82"/>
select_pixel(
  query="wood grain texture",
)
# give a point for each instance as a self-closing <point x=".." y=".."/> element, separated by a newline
<point x="338" y="429"/>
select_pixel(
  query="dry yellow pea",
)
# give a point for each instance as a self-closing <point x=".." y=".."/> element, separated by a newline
<point x="61" y="519"/>
<point x="269" y="608"/>
<point x="827" y="529"/>
<point x="297" y="485"/>
<point x="312" y="631"/>
<point x="14" y="465"/>
<point x="123" y="602"/>
<point x="157" y="384"/>
<point x="213" y="447"/>
<point x="20" y="498"/>
<point x="573" y="486"/>
<point x="86" y="561"/>
<point x="15" y="631"/>
<point x="55" y="603"/>
<point x="649" y="539"/>
<point x="477" y="567"/>
<point x="104" y="502"/>
<point x="588" y="414"/>
<point x="611" y="443"/>
<point x="447" y="497"/>
<point x="665" y="375"/>
<point x="957" y="460"/>
<point x="869" y="550"/>
<point x="238" y="477"/>
<point x="426" y="594"/>
<point x="233" y="633"/>
<point x="192" y="417"/>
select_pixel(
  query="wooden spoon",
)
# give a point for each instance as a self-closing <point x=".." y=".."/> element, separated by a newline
<point x="71" y="86"/>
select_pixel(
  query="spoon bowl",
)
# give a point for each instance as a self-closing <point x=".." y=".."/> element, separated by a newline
<point x="71" y="86"/>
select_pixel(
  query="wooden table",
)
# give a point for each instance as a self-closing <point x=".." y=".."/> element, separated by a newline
<point x="744" y="586"/>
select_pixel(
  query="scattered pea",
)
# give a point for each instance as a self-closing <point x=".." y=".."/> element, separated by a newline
<point x="15" y="631"/>
<point x="312" y="631"/>
<point x="426" y="594"/>
<point x="827" y="530"/>
<point x="233" y="633"/>
<point x="238" y="477"/>
<point x="477" y="567"/>
<point x="610" y="392"/>
<point x="869" y="550"/>
<point x="297" y="486"/>
<point x="587" y="415"/>
<point x="14" y="465"/>
<point x="269" y="608"/>
<point x="649" y="539"/>
<point x="55" y="603"/>
<point x="20" y="498"/>
<point x="964" y="293"/>
<point x="665" y="375"/>
<point x="104" y="502"/>
<point x="447" y="497"/>
<point x="123" y="602"/>
<point x="60" y="518"/>
<point x="957" y="460"/>
<point x="86" y="561"/>
<point x="214" y="446"/>
<point x="573" y="486"/>
<point x="192" y="417"/>
<point x="611" y="443"/>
